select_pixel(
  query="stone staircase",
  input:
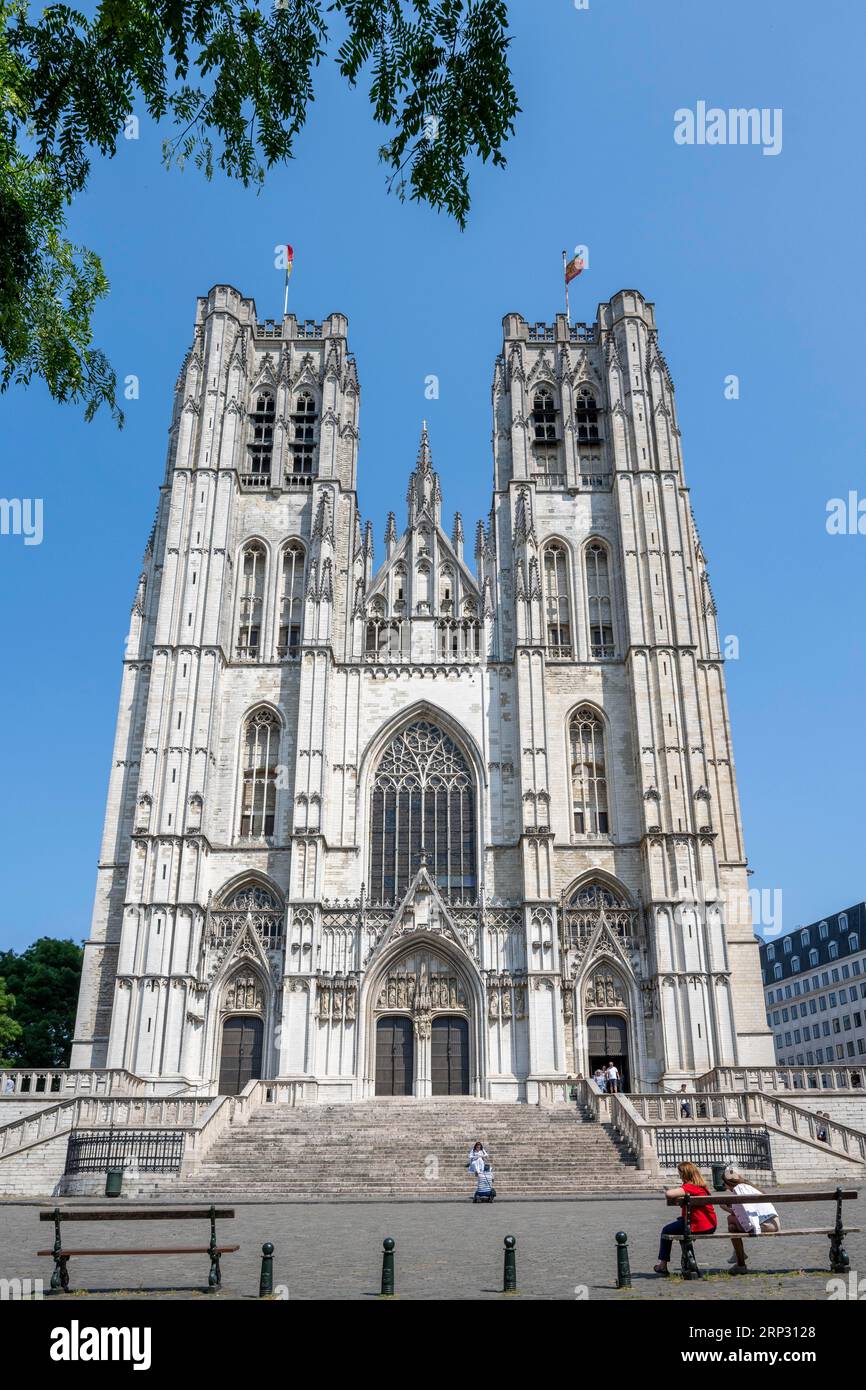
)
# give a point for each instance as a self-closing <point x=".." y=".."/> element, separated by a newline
<point x="415" y="1148"/>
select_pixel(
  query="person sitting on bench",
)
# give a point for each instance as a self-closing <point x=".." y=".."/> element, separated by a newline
<point x="753" y="1217"/>
<point x="702" y="1218"/>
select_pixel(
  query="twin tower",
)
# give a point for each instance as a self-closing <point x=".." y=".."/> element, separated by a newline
<point x="463" y="821"/>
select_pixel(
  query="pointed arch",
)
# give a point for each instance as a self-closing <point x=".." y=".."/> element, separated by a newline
<point x="252" y="571"/>
<point x="291" y="575"/>
<point x="261" y="738"/>
<point x="558" y="608"/>
<point x="588" y="761"/>
<point x="598" y="575"/>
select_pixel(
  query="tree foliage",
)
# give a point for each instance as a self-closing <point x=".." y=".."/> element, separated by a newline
<point x="234" y="81"/>
<point x="43" y="984"/>
<point x="10" y="1028"/>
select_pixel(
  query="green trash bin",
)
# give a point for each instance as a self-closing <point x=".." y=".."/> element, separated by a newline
<point x="113" y="1182"/>
<point x="719" y="1176"/>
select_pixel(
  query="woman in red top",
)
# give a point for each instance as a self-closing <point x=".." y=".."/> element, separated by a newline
<point x="702" y="1218"/>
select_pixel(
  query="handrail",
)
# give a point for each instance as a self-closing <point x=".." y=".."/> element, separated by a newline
<point x="133" y="1112"/>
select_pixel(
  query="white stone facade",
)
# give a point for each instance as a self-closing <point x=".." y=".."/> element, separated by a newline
<point x="492" y="810"/>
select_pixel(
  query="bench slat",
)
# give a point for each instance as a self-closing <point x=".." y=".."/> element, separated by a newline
<point x="726" y="1199"/>
<point x="747" y="1235"/>
<point x="174" y="1250"/>
<point x="138" y="1214"/>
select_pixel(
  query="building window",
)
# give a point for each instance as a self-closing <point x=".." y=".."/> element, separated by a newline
<point x="303" y="441"/>
<point x="795" y="964"/>
<point x="823" y="931"/>
<point x="586" y="416"/>
<point x="771" y="951"/>
<point x="261" y="758"/>
<point x="804" y="938"/>
<point x="251" y="604"/>
<point x="544" y="417"/>
<point x="786" y="945"/>
<point x="556" y="601"/>
<point x="813" y="959"/>
<point x="261" y="441"/>
<point x="833" y="950"/>
<point x="291" y="610"/>
<point x="599" y="596"/>
<point x="423" y="810"/>
<point x="777" y="972"/>
<point x="588" y="772"/>
<point x="853" y="942"/>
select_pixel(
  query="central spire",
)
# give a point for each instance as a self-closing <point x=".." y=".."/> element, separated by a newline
<point x="424" y="461"/>
<point x="424" y="496"/>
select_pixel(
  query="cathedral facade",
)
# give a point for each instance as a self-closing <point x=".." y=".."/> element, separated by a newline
<point x="464" y="821"/>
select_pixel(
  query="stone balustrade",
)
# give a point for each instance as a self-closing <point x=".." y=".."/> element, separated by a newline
<point x="823" y="1078"/>
<point x="66" y="1082"/>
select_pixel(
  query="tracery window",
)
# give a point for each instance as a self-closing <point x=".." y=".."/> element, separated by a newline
<point x="586" y="416"/>
<point x="261" y="440"/>
<point x="303" y="442"/>
<point x="588" y="772"/>
<point x="248" y="905"/>
<point x="423" y="803"/>
<point x="588" y="904"/>
<point x="599" y="598"/>
<point x="556" y="600"/>
<point x="386" y="639"/>
<point x="544" y="417"/>
<point x="261" y="750"/>
<point x="251" y="604"/>
<point x="291" y="601"/>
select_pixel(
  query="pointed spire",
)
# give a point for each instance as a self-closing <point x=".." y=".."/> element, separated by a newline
<point x="457" y="535"/>
<point x="424" y="460"/>
<point x="479" y="540"/>
<point x="390" y="535"/>
<point x="424" y="495"/>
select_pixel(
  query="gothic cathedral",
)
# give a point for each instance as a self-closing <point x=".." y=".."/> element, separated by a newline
<point x="462" y="823"/>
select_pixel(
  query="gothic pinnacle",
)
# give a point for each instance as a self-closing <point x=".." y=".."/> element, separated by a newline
<point x="424" y="460"/>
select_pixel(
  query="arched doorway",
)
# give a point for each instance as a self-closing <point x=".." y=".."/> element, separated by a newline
<point x="395" y="1056"/>
<point x="607" y="1041"/>
<point x="241" y="1054"/>
<point x="449" y="1056"/>
<point x="422" y="1026"/>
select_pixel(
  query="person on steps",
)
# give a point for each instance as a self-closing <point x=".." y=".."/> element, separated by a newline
<point x="477" y="1151"/>
<point x="484" y="1189"/>
<point x="702" y="1218"/>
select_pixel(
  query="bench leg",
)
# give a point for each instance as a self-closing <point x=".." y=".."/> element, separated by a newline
<point x="214" y="1279"/>
<point x="688" y="1262"/>
<point x="839" y="1262"/>
<point x="60" y="1274"/>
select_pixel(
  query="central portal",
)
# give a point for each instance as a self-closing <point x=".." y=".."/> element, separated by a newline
<point x="421" y="1029"/>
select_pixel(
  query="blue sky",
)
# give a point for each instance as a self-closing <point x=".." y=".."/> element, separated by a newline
<point x="755" y="267"/>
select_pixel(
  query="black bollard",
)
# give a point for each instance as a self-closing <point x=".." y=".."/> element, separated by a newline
<point x="266" y="1278"/>
<point x="509" y="1277"/>
<point x="623" y="1269"/>
<point x="388" y="1268"/>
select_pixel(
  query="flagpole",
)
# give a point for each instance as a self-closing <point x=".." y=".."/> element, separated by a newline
<point x="286" y="295"/>
<point x="565" y="278"/>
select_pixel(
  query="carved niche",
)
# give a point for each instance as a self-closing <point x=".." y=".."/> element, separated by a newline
<point x="605" y="990"/>
<point x="243" y="993"/>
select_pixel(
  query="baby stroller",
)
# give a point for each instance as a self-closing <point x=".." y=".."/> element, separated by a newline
<point x="484" y="1189"/>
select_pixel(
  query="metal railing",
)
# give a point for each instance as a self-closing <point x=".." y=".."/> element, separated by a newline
<point x="148" y="1151"/>
<point x="747" y="1148"/>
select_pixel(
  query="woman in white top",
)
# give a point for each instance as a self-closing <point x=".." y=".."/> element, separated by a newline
<point x="478" y="1155"/>
<point x="754" y="1217"/>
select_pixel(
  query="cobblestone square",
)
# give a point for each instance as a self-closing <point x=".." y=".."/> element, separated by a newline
<point x="444" y="1250"/>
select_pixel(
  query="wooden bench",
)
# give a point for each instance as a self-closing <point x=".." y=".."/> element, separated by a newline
<point x="838" y="1257"/>
<point x="60" y="1276"/>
